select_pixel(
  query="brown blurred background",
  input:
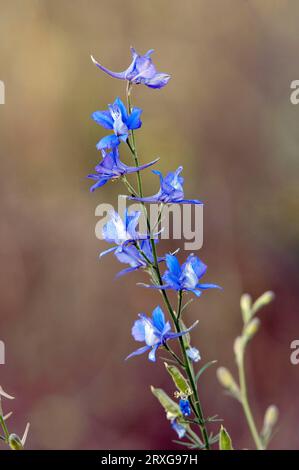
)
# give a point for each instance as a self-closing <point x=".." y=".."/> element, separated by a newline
<point x="227" y="117"/>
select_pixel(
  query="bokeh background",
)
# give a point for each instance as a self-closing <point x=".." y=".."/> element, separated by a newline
<point x="226" y="116"/>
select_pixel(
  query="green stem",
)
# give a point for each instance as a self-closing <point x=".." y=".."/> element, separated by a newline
<point x="4" y="427"/>
<point x="245" y="403"/>
<point x="195" y="403"/>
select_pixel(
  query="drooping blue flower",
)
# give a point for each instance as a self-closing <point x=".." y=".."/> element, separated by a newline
<point x="111" y="168"/>
<point x="140" y="71"/>
<point x="117" y="119"/>
<point x="154" y="331"/>
<point x="185" y="407"/>
<point x="132" y="256"/>
<point x="193" y="354"/>
<point x="121" y="231"/>
<point x="185" y="277"/>
<point x="178" y="428"/>
<point x="171" y="190"/>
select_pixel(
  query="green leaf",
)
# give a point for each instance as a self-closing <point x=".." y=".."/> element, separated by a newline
<point x="186" y="444"/>
<point x="171" y="408"/>
<point x="225" y="442"/>
<point x="205" y="367"/>
<point x="178" y="379"/>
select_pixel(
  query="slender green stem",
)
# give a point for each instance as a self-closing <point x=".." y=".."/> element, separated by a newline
<point x="194" y="401"/>
<point x="4" y="427"/>
<point x="133" y="145"/>
<point x="245" y="403"/>
<point x="174" y="355"/>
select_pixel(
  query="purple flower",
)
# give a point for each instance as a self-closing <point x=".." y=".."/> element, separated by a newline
<point x="111" y="168"/>
<point x="193" y="354"/>
<point x="185" y="277"/>
<point x="121" y="231"/>
<point x="171" y="190"/>
<point x="132" y="256"/>
<point x="178" y="428"/>
<point x="140" y="71"/>
<point x="155" y="332"/>
<point x="185" y="407"/>
<point x="117" y="119"/>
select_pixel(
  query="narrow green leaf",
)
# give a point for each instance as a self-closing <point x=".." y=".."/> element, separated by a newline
<point x="205" y="367"/>
<point x="171" y="408"/>
<point x="225" y="442"/>
<point x="186" y="444"/>
<point x="178" y="379"/>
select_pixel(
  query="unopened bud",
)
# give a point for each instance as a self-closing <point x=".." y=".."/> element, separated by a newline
<point x="226" y="380"/>
<point x="262" y="301"/>
<point x="271" y="417"/>
<point x="251" y="328"/>
<point x="238" y="348"/>
<point x="15" y="442"/>
<point x="245" y="304"/>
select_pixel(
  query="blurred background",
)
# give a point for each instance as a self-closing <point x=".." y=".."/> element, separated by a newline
<point x="226" y="116"/>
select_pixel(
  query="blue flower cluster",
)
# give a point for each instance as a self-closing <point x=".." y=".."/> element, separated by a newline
<point x="138" y="250"/>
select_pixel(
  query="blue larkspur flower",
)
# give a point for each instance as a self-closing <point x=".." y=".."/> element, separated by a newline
<point x="132" y="256"/>
<point x="178" y="428"/>
<point x="185" y="407"/>
<point x="185" y="277"/>
<point x="119" y="120"/>
<point x="171" y="190"/>
<point x="121" y="231"/>
<point x="140" y="71"/>
<point x="193" y="354"/>
<point x="154" y="332"/>
<point x="111" y="168"/>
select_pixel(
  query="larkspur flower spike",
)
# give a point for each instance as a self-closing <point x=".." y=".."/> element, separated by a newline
<point x="140" y="71"/>
<point x="138" y="250"/>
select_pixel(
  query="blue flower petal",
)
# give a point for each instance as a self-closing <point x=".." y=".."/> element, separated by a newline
<point x="108" y="142"/>
<point x="208" y="286"/>
<point x="124" y="114"/>
<point x="173" y="265"/>
<point x="138" y="352"/>
<point x="158" y="319"/>
<point x="152" y="353"/>
<point x="159" y="80"/>
<point x="178" y="428"/>
<point x="138" y="331"/>
<point x="133" y="121"/>
<point x="103" y="118"/>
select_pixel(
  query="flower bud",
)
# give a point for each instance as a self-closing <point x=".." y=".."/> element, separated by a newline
<point x="262" y="301"/>
<point x="226" y="380"/>
<point x="245" y="304"/>
<point x="251" y="328"/>
<point x="238" y="348"/>
<point x="15" y="442"/>
<point x="271" y="417"/>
